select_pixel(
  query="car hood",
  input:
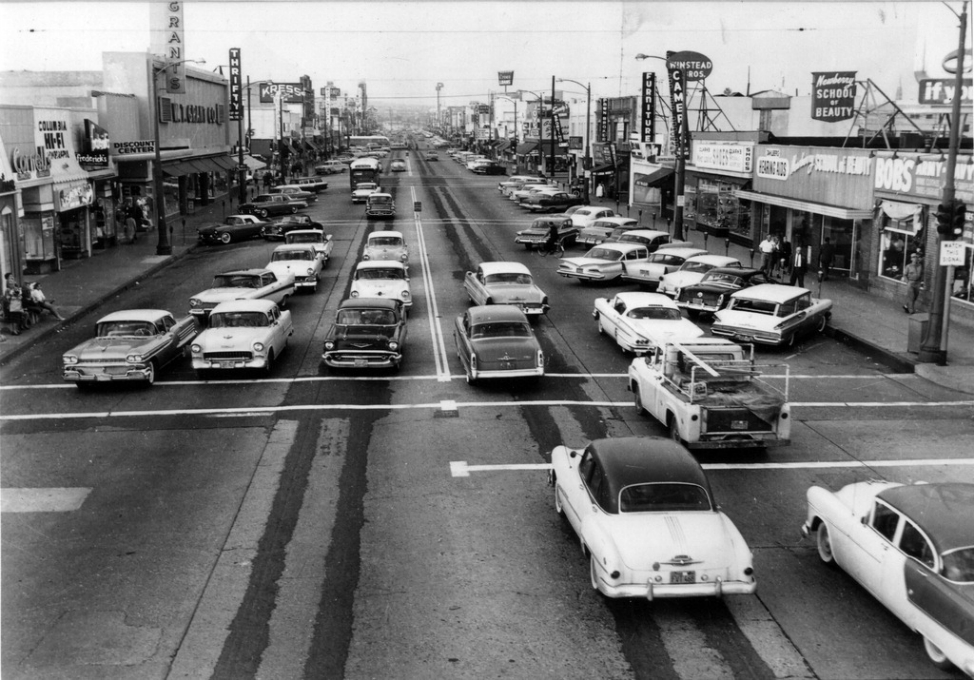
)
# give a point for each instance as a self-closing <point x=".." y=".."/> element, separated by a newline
<point x="644" y="538"/>
<point x="230" y="338"/>
<point x="514" y="292"/>
<point x="100" y="349"/>
<point x="294" y="267"/>
<point x="223" y="294"/>
<point x="681" y="279"/>
<point x="380" y="288"/>
<point x="505" y="349"/>
<point x="667" y="330"/>
<point x="211" y="228"/>
<point x="737" y="319"/>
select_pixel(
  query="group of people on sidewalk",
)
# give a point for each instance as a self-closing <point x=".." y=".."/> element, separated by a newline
<point x="18" y="301"/>
<point x="778" y="258"/>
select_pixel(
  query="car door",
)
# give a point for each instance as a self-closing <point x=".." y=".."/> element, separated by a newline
<point x="576" y="492"/>
<point x="634" y="257"/>
<point x="872" y="550"/>
<point x="615" y="309"/>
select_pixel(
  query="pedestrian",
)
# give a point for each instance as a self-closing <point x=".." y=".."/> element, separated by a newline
<point x="784" y="255"/>
<point x="766" y="247"/>
<point x="799" y="264"/>
<point x="38" y="299"/>
<point x="600" y="191"/>
<point x="268" y="180"/>
<point x="13" y="303"/>
<point x="825" y="256"/>
<point x="130" y="228"/>
<point x="913" y="276"/>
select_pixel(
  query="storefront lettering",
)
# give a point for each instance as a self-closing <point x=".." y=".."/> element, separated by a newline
<point x="143" y="146"/>
<point x="25" y="165"/>
<point x="894" y="174"/>
<point x="773" y="167"/>
<point x="843" y="165"/>
<point x="193" y="113"/>
<point x="920" y="177"/>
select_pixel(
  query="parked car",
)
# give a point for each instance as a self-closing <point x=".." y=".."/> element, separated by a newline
<point x="497" y="342"/>
<point x="772" y="314"/>
<point x="367" y="333"/>
<point x="644" y="512"/>
<point x="295" y="193"/>
<point x="382" y="279"/>
<point x="300" y="260"/>
<point x="281" y="227"/>
<point x="641" y="322"/>
<point x="432" y="156"/>
<point x="519" y="195"/>
<point x="554" y="201"/>
<point x="537" y="234"/>
<point x="517" y="181"/>
<point x="321" y="241"/>
<point x="691" y="271"/>
<point x="242" y="334"/>
<point x="665" y="260"/>
<point x="397" y="166"/>
<point x="242" y="284"/>
<point x="272" y="204"/>
<point x="363" y="190"/>
<point x="505" y="283"/>
<point x="130" y="345"/>
<point x="715" y="288"/>
<point x="600" y="229"/>
<point x="313" y="184"/>
<point x="651" y="238"/>
<point x="332" y="167"/>
<point x="386" y="245"/>
<point x="605" y="262"/>
<point x="233" y="228"/>
<point x="912" y="547"/>
<point x="489" y="167"/>
<point x="587" y="214"/>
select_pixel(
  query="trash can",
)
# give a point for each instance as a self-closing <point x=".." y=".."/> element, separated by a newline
<point x="918" y="328"/>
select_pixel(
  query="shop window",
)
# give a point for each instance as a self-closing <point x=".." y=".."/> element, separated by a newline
<point x="896" y="245"/>
<point x="844" y="239"/>
<point x="962" y="287"/>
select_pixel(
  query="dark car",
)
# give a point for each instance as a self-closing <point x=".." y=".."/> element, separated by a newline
<point x="558" y="201"/>
<point x="272" y="204"/>
<point x="367" y="333"/>
<point x="497" y="342"/>
<point x="279" y="228"/>
<point x="492" y="168"/>
<point x="537" y="233"/>
<point x="233" y="228"/>
<point x="714" y="290"/>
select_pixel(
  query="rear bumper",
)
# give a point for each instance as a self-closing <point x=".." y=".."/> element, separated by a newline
<point x="654" y="591"/>
<point x="519" y="373"/>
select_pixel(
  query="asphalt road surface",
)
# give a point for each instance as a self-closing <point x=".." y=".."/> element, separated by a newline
<point x="328" y="524"/>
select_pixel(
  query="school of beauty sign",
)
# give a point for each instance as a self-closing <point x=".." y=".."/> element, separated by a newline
<point x="833" y="96"/>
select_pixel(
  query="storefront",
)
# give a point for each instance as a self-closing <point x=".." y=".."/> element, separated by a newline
<point x="806" y="195"/>
<point x="719" y="169"/>
<point x="10" y="252"/>
<point x="908" y="189"/>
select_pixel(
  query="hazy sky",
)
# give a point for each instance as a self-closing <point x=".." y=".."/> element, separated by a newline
<point x="403" y="49"/>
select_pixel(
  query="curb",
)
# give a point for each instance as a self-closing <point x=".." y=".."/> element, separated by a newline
<point x="901" y="363"/>
<point x="957" y="378"/>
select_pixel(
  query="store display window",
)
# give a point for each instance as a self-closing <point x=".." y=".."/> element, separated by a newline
<point x="962" y="286"/>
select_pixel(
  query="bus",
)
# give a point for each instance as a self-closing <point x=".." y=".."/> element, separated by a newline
<point x="369" y="143"/>
<point x="364" y="170"/>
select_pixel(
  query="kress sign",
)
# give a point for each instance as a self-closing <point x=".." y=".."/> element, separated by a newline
<point x="292" y="93"/>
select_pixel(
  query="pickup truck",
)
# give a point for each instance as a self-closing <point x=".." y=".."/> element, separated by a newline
<point x="710" y="394"/>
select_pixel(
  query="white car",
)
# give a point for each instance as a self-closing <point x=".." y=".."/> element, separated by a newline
<point x="505" y="283"/>
<point x="517" y="181"/>
<point x="519" y="195"/>
<point x="363" y="191"/>
<point x="912" y="547"/>
<point x="665" y="260"/>
<point x="321" y="241"/>
<point x="640" y="322"/>
<point x="381" y="279"/>
<point x="300" y="260"/>
<point x="644" y="513"/>
<point x="772" y="314"/>
<point x="242" y="334"/>
<point x="605" y="262"/>
<point x="691" y="271"/>
<point x="600" y="229"/>
<point x="587" y="214"/>
<point x="243" y="284"/>
<point x="386" y="245"/>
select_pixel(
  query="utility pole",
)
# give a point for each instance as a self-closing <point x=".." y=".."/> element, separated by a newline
<point x="930" y="348"/>
<point x="552" y="126"/>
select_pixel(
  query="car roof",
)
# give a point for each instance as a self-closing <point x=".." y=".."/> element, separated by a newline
<point x="485" y="313"/>
<point x="623" y="247"/>
<point x="774" y="292"/>
<point x="135" y="315"/>
<point x="379" y="234"/>
<point x="503" y="268"/>
<point x="379" y="194"/>
<point x="939" y="509"/>
<point x="384" y="303"/>
<point x="288" y="186"/>
<point x="379" y="264"/>
<point x="648" y="233"/>
<point x="638" y="299"/>
<point x="717" y="260"/>
<point x="681" y="251"/>
<point x="244" y="306"/>
<point x="617" y="220"/>
<point x="646" y="460"/>
<point x="237" y="272"/>
<point x="248" y="215"/>
<point x="736" y="271"/>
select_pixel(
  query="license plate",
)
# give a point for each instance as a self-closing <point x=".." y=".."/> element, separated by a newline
<point x="578" y="270"/>
<point x="683" y="577"/>
<point x="698" y="301"/>
<point x="744" y="338"/>
<point x="103" y="377"/>
<point x="361" y="363"/>
<point x="226" y="364"/>
<point x="738" y="424"/>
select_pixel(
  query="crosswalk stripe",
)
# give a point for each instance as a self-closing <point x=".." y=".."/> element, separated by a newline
<point x="55" y="499"/>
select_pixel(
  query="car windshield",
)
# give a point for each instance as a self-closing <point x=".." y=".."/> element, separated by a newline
<point x="959" y="565"/>
<point x="663" y="258"/>
<point x="701" y="267"/>
<point x="235" y="281"/>
<point x="115" y="329"/>
<point x="665" y="497"/>
<point x="239" y="320"/>
<point x="604" y="254"/>
<point x="285" y="255"/>
<point x="756" y="306"/>
<point x="366" y="317"/>
<point x="501" y="329"/>
<point x="509" y="277"/>
<point x="655" y="313"/>
<point x="371" y="274"/>
<point x="380" y="199"/>
<point x="723" y="279"/>
<point x="386" y="241"/>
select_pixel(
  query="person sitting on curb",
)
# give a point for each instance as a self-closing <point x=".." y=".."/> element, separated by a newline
<point x="38" y="299"/>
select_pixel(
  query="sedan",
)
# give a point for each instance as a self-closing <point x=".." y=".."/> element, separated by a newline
<point x="280" y="227"/>
<point x="242" y="284"/>
<point x="505" y="283"/>
<point x="604" y="263"/>
<point x="295" y="193"/>
<point x="299" y="260"/>
<point x="665" y="260"/>
<point x="497" y="342"/>
<point x="553" y="201"/>
<point x="912" y="547"/>
<point x="381" y="279"/>
<point x="600" y="229"/>
<point x="233" y="228"/>
<point x="772" y="314"/>
<point x="242" y="334"/>
<point x="367" y="333"/>
<point x="397" y="166"/>
<point x="273" y="204"/>
<point x="644" y="513"/>
<point x="386" y="245"/>
<point x="691" y="271"/>
<point x="537" y="234"/>
<point x="363" y="191"/>
<point x="715" y="288"/>
<point x="587" y="214"/>
<point x="640" y="322"/>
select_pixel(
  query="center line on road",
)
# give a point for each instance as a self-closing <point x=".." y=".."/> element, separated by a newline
<point x="433" y="313"/>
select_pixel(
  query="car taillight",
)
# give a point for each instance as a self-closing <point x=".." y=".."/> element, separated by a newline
<point x="540" y="359"/>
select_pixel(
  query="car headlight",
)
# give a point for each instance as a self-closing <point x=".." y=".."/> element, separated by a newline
<point x="196" y="348"/>
<point x="134" y="358"/>
<point x="70" y="359"/>
<point x="354" y="293"/>
<point x="366" y="256"/>
<point x="329" y="345"/>
<point x="258" y="347"/>
<point x="720" y="301"/>
<point x="393" y="345"/>
<point x="403" y="257"/>
<point x="405" y="295"/>
<point x="194" y="302"/>
<point x="310" y="271"/>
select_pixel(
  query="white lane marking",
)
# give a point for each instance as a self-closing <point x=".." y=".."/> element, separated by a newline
<point x="54" y="499"/>
<point x="432" y="311"/>
<point x="693" y="658"/>
<point x="448" y="405"/>
<point x="461" y="468"/>
<point x="244" y="411"/>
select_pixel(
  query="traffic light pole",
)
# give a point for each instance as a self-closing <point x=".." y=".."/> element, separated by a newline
<point x="930" y="348"/>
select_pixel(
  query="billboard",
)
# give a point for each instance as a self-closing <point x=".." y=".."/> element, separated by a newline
<point x="292" y="93"/>
<point x="833" y="96"/>
<point x="505" y="78"/>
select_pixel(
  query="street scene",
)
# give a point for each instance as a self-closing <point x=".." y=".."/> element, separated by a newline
<point x="316" y="367"/>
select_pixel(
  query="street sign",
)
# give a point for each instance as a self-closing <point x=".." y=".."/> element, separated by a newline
<point x="952" y="253"/>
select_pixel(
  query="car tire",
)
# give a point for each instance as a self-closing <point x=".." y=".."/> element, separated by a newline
<point x="675" y="430"/>
<point x="790" y="342"/>
<point x="822" y="323"/>
<point x="936" y="656"/>
<point x="598" y="323"/>
<point x="151" y="374"/>
<point x="314" y="288"/>
<point x="823" y="541"/>
<point x="637" y="399"/>
<point x="261" y="213"/>
<point x="226" y="237"/>
<point x="284" y="301"/>
<point x="269" y="364"/>
<point x="559" y="508"/>
<point x="294" y="209"/>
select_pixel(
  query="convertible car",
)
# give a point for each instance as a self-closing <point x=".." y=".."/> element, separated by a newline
<point x="912" y="547"/>
<point x="242" y="334"/>
<point x="132" y="345"/>
<point x="772" y="314"/>
<point x="280" y="228"/>
<point x="496" y="341"/>
<point x="505" y="283"/>
<point x="233" y="228"/>
<point x="647" y="521"/>
<point x="243" y="284"/>
<point x="381" y="279"/>
<point x="640" y="322"/>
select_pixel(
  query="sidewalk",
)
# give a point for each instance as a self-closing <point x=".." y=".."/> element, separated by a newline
<point x="873" y="325"/>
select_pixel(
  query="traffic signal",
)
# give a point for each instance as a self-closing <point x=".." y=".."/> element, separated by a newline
<point x="945" y="216"/>
<point x="957" y="221"/>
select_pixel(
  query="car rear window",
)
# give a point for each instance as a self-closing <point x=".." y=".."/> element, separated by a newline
<point x="667" y="497"/>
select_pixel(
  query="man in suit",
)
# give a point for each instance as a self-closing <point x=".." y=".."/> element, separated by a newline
<point x="799" y="263"/>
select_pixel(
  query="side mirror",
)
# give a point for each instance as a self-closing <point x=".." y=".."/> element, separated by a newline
<point x="864" y="520"/>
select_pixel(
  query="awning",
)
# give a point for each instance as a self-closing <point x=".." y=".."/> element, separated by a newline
<point x="525" y="148"/>
<point x="262" y="147"/>
<point x="654" y="178"/>
<point x="504" y="145"/>
<point x="179" y="169"/>
<point x="254" y="163"/>
<point x="806" y="206"/>
<point x="225" y="162"/>
<point x="605" y="169"/>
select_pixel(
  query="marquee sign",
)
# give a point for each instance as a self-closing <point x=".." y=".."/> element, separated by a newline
<point x="291" y="93"/>
<point x="236" y="87"/>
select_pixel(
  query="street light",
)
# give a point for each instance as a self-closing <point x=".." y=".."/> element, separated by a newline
<point x="164" y="246"/>
<point x="587" y="159"/>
